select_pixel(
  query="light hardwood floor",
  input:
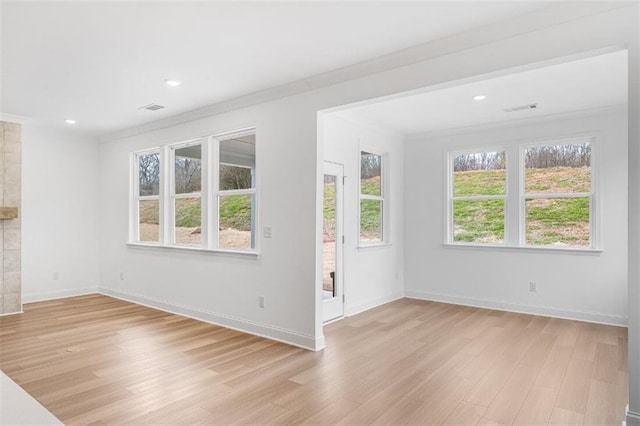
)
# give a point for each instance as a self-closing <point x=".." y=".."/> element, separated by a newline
<point x="95" y="359"/>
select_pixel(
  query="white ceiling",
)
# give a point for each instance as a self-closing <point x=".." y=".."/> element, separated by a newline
<point x="585" y="84"/>
<point x="97" y="62"/>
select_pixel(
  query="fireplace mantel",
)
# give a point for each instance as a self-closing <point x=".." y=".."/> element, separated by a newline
<point x="7" y="213"/>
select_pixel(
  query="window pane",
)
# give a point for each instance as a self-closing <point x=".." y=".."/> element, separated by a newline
<point x="481" y="173"/>
<point x="329" y="242"/>
<point x="149" y="172"/>
<point x="188" y="221"/>
<point x="237" y="163"/>
<point x="235" y="177"/>
<point x="237" y="220"/>
<point x="561" y="222"/>
<point x="558" y="168"/>
<point x="149" y="228"/>
<point x="478" y="221"/>
<point x="188" y="169"/>
<point x="370" y="221"/>
<point x="370" y="173"/>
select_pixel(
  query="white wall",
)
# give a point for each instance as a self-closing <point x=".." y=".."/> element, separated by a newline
<point x="581" y="286"/>
<point x="288" y="273"/>
<point x="59" y="213"/>
<point x="217" y="287"/>
<point x="372" y="275"/>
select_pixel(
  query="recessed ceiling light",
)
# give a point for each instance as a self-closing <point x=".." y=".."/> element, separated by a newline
<point x="70" y="121"/>
<point x="479" y="97"/>
<point x="172" y="83"/>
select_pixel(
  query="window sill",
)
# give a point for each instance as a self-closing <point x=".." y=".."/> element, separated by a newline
<point x="198" y="250"/>
<point x="546" y="249"/>
<point x="373" y="246"/>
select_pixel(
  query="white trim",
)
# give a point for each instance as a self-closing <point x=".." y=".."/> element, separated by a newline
<point x="173" y="196"/>
<point x="13" y="118"/>
<point x="540" y="249"/>
<point x="194" y="249"/>
<point x="351" y="310"/>
<point x="365" y="246"/>
<point x="382" y="198"/>
<point x="290" y="337"/>
<point x="12" y="313"/>
<point x="209" y="194"/>
<point x="592" y="195"/>
<point x="476" y="37"/>
<point x="334" y="307"/>
<point x="509" y="306"/>
<point x="135" y="198"/>
<point x="62" y="294"/>
<point x="450" y="198"/>
<point x="631" y="417"/>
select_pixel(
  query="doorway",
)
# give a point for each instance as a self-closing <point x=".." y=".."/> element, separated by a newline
<point x="332" y="242"/>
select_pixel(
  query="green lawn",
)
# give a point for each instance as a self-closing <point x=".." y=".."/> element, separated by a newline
<point x="235" y="212"/>
<point x="548" y="221"/>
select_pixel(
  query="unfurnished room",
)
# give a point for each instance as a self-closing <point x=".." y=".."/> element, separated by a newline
<point x="320" y="212"/>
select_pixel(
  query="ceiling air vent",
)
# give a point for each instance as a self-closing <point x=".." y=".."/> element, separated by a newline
<point x="521" y="107"/>
<point x="152" y="107"/>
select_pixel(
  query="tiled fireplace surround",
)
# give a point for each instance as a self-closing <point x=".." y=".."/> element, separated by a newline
<point x="10" y="229"/>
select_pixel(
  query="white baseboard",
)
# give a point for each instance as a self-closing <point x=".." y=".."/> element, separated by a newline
<point x="263" y="330"/>
<point x="41" y="297"/>
<point x="12" y="313"/>
<point x="350" y="310"/>
<point x="503" y="305"/>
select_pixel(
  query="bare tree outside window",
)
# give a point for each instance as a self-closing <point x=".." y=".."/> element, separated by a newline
<point x="149" y="172"/>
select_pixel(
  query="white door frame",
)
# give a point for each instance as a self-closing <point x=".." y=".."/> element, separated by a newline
<point x="333" y="308"/>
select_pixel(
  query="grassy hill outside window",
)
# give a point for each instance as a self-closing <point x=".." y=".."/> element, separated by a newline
<point x="548" y="203"/>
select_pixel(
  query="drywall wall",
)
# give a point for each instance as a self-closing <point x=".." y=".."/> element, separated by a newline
<point x="218" y="287"/>
<point x="59" y="214"/>
<point x="590" y="287"/>
<point x="289" y="271"/>
<point x="372" y="275"/>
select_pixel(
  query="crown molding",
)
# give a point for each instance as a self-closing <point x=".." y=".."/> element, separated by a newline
<point x="12" y="118"/>
<point x="555" y="14"/>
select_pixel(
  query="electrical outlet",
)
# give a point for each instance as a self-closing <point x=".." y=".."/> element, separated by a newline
<point x="267" y="232"/>
<point x="121" y="276"/>
<point x="261" y="302"/>
<point x="532" y="286"/>
<point x="56" y="276"/>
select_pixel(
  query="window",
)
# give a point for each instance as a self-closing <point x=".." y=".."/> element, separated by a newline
<point x="372" y="198"/>
<point x="237" y="193"/>
<point x="547" y="202"/>
<point x="186" y="193"/>
<point x="558" y="195"/>
<point x="207" y="189"/>
<point x="478" y="197"/>
<point x="147" y="196"/>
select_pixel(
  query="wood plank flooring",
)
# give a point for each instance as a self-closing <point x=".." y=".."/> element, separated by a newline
<point x="98" y="360"/>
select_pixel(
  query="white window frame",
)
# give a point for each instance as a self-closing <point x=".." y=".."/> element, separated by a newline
<point x="384" y="197"/>
<point x="173" y="196"/>
<point x="591" y="195"/>
<point x="451" y="198"/>
<point x="209" y="195"/>
<point x="136" y="198"/>
<point x="515" y="207"/>
<point x="218" y="193"/>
